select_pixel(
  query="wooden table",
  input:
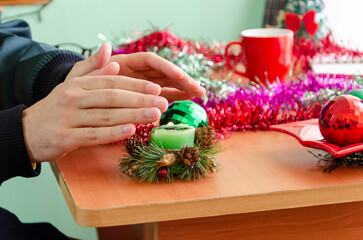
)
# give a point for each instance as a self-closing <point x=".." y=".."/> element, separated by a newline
<point x="268" y="187"/>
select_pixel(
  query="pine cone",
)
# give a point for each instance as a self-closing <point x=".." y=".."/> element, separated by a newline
<point x="132" y="143"/>
<point x="189" y="155"/>
<point x="205" y="136"/>
<point x="166" y="160"/>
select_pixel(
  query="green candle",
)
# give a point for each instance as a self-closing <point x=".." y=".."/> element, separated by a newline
<point x="173" y="136"/>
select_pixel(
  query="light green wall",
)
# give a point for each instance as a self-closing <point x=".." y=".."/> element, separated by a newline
<point x="80" y="21"/>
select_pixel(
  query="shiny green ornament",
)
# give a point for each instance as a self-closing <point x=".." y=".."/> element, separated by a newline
<point x="186" y="112"/>
<point x="357" y="93"/>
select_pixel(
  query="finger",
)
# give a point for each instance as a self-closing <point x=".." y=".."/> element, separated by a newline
<point x="94" y="136"/>
<point x="110" y="69"/>
<point x="119" y="82"/>
<point x="145" y="61"/>
<point x="110" y="117"/>
<point x="118" y="98"/>
<point x="172" y="94"/>
<point x="151" y="73"/>
<point x="96" y="61"/>
<point x="161" y="80"/>
<point x="177" y="86"/>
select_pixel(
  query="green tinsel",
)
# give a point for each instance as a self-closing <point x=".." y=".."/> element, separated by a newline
<point x="198" y="67"/>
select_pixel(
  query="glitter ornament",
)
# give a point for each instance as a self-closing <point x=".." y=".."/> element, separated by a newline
<point x="186" y="112"/>
<point x="341" y="120"/>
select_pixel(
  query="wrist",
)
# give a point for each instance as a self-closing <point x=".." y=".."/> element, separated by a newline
<point x="13" y="152"/>
<point x="27" y="138"/>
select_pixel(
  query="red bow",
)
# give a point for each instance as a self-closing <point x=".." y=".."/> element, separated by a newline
<point x="293" y="22"/>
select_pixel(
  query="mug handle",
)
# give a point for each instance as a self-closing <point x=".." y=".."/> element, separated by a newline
<point x="228" y="60"/>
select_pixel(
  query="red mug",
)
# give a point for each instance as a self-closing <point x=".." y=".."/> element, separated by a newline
<point x="266" y="53"/>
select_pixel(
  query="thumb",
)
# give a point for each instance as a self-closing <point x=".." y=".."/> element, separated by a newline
<point x="96" y="61"/>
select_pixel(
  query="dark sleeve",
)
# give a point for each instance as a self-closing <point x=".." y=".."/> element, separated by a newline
<point x="14" y="160"/>
<point x="29" y="70"/>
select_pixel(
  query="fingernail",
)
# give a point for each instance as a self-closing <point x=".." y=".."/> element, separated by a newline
<point x="150" y="112"/>
<point x="153" y="89"/>
<point x="160" y="103"/>
<point x="126" y="128"/>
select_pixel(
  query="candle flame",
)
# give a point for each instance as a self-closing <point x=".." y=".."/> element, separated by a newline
<point x="170" y="124"/>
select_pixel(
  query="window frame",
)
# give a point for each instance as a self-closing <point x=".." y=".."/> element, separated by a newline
<point x="22" y="2"/>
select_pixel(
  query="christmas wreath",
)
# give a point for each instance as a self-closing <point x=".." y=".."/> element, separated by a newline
<point x="184" y="146"/>
<point x="152" y="163"/>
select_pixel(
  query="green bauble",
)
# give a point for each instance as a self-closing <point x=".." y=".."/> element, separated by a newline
<point x="186" y="112"/>
<point x="357" y="93"/>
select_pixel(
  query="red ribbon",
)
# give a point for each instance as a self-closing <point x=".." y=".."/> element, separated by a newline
<point x="293" y="22"/>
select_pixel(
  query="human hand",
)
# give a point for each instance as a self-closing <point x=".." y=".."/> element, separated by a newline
<point x="89" y="110"/>
<point x="96" y="64"/>
<point x="175" y="83"/>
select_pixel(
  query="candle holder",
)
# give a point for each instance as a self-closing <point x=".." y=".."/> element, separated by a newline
<point x="180" y="151"/>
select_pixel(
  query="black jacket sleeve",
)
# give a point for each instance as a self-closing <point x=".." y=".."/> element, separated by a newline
<point x="28" y="72"/>
<point x="14" y="159"/>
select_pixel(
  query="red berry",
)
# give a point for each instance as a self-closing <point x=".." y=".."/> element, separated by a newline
<point x="162" y="173"/>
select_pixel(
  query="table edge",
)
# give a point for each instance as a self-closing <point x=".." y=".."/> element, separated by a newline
<point x="158" y="212"/>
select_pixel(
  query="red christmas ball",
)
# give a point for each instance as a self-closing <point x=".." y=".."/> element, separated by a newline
<point x="341" y="120"/>
<point x="162" y="173"/>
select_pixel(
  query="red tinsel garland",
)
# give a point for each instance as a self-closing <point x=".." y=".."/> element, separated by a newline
<point x="162" y="39"/>
<point x="227" y="116"/>
<point x="306" y="49"/>
<point x="143" y="131"/>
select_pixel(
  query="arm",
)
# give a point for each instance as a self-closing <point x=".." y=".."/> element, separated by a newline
<point x="28" y="72"/>
<point x="14" y="160"/>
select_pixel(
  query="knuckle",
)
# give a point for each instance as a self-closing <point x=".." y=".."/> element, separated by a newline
<point x="74" y="81"/>
<point x="151" y="54"/>
<point x="133" y="116"/>
<point x="110" y="97"/>
<point x="110" y="82"/>
<point x="142" y="100"/>
<point x="105" y="116"/>
<point x="134" y="84"/>
<point x="91" y="134"/>
<point x="115" y="133"/>
<point x="59" y="137"/>
<point x="68" y="98"/>
<point x="65" y="116"/>
<point x="93" y="60"/>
